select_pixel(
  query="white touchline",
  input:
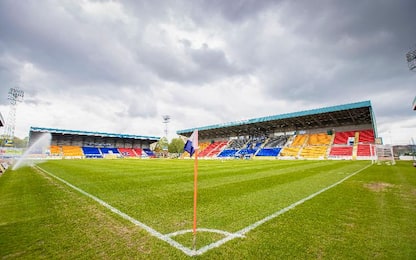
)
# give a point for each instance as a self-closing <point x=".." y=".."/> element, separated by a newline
<point x="228" y="236"/>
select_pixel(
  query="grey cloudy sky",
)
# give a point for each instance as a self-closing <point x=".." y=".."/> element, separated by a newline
<point x="118" y="66"/>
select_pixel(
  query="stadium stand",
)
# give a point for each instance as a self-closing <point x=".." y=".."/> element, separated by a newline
<point x="322" y="133"/>
<point x="270" y="152"/>
<point x="273" y="146"/>
<point x="342" y="137"/>
<point x="346" y="145"/>
<point x="213" y="149"/>
<point x="340" y="151"/>
<point x="299" y="140"/>
<point x="105" y="150"/>
<point x="138" y="152"/>
<point x="72" y="151"/>
<point x="314" y="152"/>
<point x="319" y="139"/>
<point x="276" y="141"/>
<point x="110" y="153"/>
<point x="203" y="146"/>
<point x="366" y="136"/>
<point x="55" y="150"/>
<point x="127" y="152"/>
<point x="92" y="152"/>
<point x="364" y="150"/>
<point x="148" y="153"/>
<point x="234" y="148"/>
<point x="290" y="151"/>
<point x="227" y="153"/>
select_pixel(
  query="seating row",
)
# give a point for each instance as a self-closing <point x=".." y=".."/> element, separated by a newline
<point x="94" y="152"/>
<point x="271" y="147"/>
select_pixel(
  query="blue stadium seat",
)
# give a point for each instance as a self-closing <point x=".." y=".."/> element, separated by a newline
<point x="269" y="152"/>
<point x="227" y="153"/>
<point x="92" y="152"/>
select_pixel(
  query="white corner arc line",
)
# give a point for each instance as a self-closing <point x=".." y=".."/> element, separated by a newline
<point x="125" y="216"/>
<point x="222" y="232"/>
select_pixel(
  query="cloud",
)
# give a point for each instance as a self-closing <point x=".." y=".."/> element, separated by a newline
<point x="122" y="65"/>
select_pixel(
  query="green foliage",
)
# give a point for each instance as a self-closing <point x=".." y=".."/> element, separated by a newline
<point x="16" y="142"/>
<point x="176" y="145"/>
<point x="161" y="145"/>
<point x="370" y="215"/>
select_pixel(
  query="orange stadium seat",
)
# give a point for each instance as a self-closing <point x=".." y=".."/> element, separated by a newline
<point x="55" y="150"/>
<point x="72" y="151"/>
<point x="299" y="141"/>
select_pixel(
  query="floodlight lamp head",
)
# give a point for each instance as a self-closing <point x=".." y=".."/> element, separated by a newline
<point x="15" y="95"/>
<point x="411" y="59"/>
<point x="166" y="118"/>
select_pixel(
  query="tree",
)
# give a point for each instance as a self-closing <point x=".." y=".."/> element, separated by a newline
<point x="21" y="143"/>
<point x="16" y="142"/>
<point x="176" y="145"/>
<point x="162" y="145"/>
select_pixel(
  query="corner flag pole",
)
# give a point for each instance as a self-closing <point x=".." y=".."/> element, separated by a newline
<point x="191" y="146"/>
<point x="195" y="195"/>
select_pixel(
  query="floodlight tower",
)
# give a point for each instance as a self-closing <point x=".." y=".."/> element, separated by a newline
<point x="166" y="120"/>
<point x="15" y="96"/>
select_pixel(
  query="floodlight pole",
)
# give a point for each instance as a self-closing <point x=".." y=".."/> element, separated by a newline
<point x="166" y="120"/>
<point x="15" y="95"/>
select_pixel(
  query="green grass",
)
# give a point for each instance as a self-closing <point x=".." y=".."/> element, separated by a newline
<point x="370" y="215"/>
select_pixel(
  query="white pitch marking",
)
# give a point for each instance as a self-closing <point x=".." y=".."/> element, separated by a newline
<point x="222" y="232"/>
<point x="229" y="236"/>
<point x="247" y="229"/>
<point x="126" y="217"/>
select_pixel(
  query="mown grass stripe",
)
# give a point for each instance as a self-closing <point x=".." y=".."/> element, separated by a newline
<point x="151" y="231"/>
<point x="247" y="229"/>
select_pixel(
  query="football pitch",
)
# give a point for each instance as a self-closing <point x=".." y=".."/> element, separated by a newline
<point x="247" y="209"/>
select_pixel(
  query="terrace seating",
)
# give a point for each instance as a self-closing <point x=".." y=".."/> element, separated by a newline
<point x="213" y="149"/>
<point x="55" y="150"/>
<point x="290" y="151"/>
<point x="138" y="151"/>
<point x="366" y="136"/>
<point x="203" y="145"/>
<point x="314" y="152"/>
<point x="72" y="151"/>
<point x="342" y="137"/>
<point x="341" y="151"/>
<point x="276" y="141"/>
<point x="364" y="150"/>
<point x="299" y="140"/>
<point x="109" y="150"/>
<point x="92" y="152"/>
<point x="247" y="152"/>
<point x="227" y="153"/>
<point x="319" y="139"/>
<point x="149" y="153"/>
<point x="269" y="152"/>
<point x="127" y="152"/>
<point x="237" y="144"/>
